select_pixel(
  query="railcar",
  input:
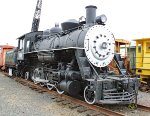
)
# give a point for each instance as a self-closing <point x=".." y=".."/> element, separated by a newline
<point x="3" y="50"/>
<point x="11" y="61"/>
<point x="122" y="59"/>
<point x="143" y="59"/>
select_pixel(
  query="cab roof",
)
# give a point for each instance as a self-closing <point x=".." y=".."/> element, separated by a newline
<point x="141" y="39"/>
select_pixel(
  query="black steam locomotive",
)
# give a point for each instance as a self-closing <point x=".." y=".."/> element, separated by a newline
<point x="73" y="60"/>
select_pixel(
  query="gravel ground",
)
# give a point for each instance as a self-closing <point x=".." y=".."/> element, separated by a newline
<point x="19" y="100"/>
<point x="144" y="98"/>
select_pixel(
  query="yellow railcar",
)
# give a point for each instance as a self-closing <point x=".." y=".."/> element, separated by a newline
<point x="143" y="59"/>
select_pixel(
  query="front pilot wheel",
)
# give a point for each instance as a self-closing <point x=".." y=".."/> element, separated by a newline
<point x="89" y="95"/>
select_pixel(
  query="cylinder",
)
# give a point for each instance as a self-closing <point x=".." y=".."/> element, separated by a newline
<point x="71" y="87"/>
<point x="90" y="14"/>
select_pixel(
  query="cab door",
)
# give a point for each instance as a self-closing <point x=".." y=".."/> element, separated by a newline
<point x="139" y="54"/>
<point x="20" y="55"/>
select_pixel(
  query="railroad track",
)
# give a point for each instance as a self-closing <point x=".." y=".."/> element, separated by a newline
<point x="73" y="102"/>
<point x="144" y="108"/>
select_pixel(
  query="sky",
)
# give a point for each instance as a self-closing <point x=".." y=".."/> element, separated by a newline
<point x="126" y="19"/>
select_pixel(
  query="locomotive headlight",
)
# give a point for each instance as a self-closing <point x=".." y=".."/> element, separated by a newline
<point x="101" y="19"/>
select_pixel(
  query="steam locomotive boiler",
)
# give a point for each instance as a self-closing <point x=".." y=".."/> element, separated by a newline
<point x="73" y="60"/>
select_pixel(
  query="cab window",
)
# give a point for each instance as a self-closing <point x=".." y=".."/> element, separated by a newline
<point x="27" y="45"/>
<point x="147" y="46"/>
<point x="21" y="44"/>
<point x="139" y="48"/>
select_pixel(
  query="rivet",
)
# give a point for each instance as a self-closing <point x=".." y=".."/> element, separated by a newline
<point x="97" y="37"/>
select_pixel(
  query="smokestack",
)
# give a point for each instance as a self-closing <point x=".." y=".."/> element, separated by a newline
<point x="90" y="14"/>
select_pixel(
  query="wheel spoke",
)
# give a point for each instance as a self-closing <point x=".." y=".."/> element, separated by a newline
<point x="49" y="86"/>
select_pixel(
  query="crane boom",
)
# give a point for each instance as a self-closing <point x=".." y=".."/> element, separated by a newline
<point x="36" y="18"/>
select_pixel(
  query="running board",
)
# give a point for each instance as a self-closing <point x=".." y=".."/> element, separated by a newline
<point x="41" y="80"/>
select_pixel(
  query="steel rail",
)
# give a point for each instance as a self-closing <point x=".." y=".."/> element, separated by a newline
<point x="143" y="108"/>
